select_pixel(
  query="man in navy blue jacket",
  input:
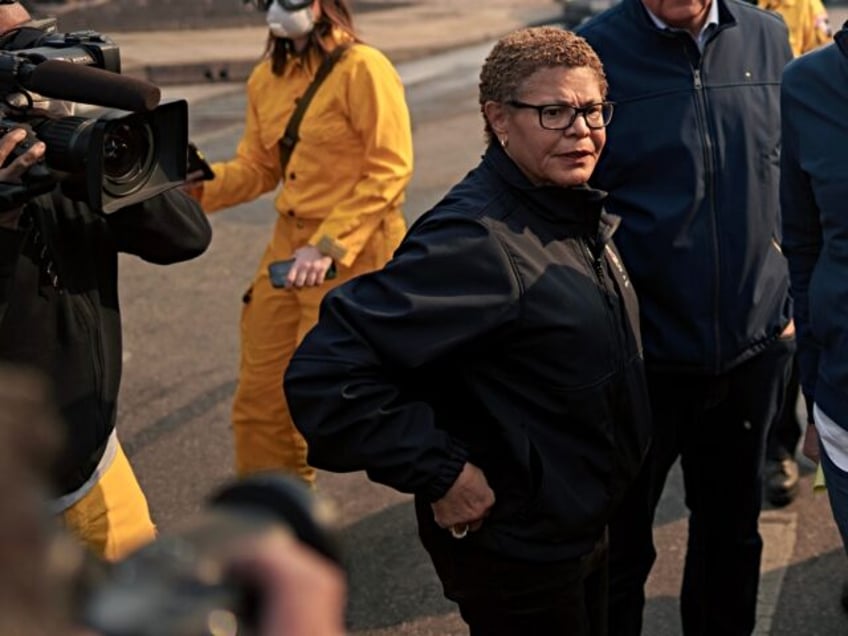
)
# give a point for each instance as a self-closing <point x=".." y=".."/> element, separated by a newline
<point x="691" y="165"/>
<point x="813" y="191"/>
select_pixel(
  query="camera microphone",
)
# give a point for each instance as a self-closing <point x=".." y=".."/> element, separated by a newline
<point x="91" y="85"/>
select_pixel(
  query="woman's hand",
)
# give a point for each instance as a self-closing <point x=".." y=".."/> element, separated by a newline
<point x="310" y="267"/>
<point x="467" y="501"/>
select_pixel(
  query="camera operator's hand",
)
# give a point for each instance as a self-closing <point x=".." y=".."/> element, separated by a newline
<point x="16" y="169"/>
<point x="303" y="593"/>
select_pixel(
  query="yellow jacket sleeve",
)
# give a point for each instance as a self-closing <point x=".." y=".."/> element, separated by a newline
<point x="254" y="170"/>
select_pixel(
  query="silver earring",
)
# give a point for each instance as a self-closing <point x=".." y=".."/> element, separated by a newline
<point x="504" y="141"/>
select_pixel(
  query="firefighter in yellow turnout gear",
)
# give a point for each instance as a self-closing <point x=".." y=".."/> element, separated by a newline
<point x="340" y="202"/>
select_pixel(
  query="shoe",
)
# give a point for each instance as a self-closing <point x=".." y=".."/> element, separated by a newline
<point x="781" y="481"/>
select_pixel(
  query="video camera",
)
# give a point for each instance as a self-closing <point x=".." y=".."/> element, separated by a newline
<point x="179" y="584"/>
<point x="133" y="150"/>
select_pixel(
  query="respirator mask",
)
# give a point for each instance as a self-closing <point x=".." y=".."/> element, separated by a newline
<point x="287" y="18"/>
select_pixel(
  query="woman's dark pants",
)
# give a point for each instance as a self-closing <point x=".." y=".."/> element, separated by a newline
<point x="506" y="597"/>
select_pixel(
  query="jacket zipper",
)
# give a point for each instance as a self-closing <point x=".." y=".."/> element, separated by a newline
<point x="709" y="175"/>
<point x="596" y="263"/>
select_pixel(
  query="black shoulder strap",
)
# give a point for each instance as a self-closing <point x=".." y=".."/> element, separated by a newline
<point x="290" y="137"/>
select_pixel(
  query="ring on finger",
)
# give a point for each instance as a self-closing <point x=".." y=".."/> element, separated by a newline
<point x="459" y="530"/>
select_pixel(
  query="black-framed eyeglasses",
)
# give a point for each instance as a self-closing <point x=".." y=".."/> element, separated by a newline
<point x="562" y="116"/>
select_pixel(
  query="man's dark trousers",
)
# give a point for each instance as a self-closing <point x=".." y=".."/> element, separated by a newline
<point x="717" y="425"/>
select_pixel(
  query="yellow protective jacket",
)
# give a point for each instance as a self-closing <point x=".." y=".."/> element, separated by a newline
<point x="807" y="21"/>
<point x="354" y="157"/>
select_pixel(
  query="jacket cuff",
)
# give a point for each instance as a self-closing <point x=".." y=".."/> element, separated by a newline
<point x="448" y="471"/>
<point x="329" y="246"/>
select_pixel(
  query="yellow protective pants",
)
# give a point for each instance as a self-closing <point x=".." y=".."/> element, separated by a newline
<point x="273" y="323"/>
<point x="112" y="519"/>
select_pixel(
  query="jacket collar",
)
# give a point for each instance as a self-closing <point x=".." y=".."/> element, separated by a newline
<point x="580" y="205"/>
<point x="710" y="23"/>
<point x="311" y="57"/>
<point x="639" y="14"/>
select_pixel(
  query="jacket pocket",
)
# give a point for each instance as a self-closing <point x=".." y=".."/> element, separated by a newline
<point x="571" y="461"/>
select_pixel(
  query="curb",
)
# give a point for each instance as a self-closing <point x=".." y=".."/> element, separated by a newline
<point x="210" y="72"/>
<point x="223" y="71"/>
<point x="237" y="71"/>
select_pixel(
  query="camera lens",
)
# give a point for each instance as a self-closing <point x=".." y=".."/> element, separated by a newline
<point x="117" y="158"/>
<point x="128" y="155"/>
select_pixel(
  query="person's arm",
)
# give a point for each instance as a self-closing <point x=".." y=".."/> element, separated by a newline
<point x="164" y="229"/>
<point x="11" y="235"/>
<point x="255" y="168"/>
<point x="380" y="116"/>
<point x="348" y="383"/>
<point x="802" y="234"/>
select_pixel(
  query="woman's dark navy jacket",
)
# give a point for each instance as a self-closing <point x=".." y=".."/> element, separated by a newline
<point x="691" y="167"/>
<point x="503" y="332"/>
